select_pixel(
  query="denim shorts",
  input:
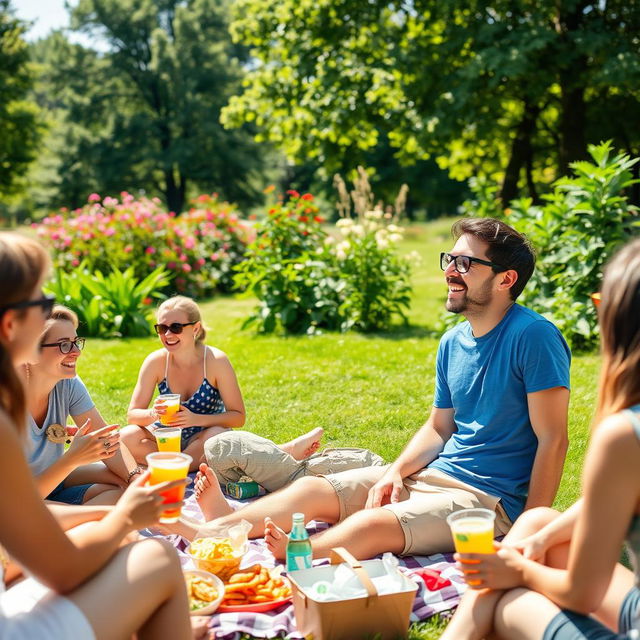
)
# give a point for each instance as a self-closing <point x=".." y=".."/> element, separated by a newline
<point x="69" y="495"/>
<point x="568" y="625"/>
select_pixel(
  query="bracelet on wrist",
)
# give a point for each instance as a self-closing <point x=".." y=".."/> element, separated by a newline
<point x="132" y="473"/>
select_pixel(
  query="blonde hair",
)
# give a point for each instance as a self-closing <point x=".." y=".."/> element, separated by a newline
<point x="619" y="318"/>
<point x="190" y="308"/>
<point x="23" y="264"/>
<point x="59" y="312"/>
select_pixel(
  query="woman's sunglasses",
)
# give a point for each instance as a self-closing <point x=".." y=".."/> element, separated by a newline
<point x="46" y="302"/>
<point x="174" y="327"/>
<point x="65" y="346"/>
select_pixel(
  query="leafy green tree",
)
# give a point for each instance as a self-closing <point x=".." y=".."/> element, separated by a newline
<point x="19" y="129"/>
<point x="511" y="91"/>
<point x="143" y="114"/>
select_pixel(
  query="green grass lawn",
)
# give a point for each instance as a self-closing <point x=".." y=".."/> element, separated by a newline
<point x="370" y="391"/>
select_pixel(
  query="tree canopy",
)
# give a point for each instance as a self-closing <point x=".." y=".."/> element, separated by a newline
<point x="144" y="113"/>
<point x="509" y="90"/>
<point x="19" y="130"/>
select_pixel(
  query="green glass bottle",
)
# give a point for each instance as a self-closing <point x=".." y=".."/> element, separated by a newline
<point x="299" y="554"/>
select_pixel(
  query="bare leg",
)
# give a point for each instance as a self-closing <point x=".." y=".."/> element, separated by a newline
<point x="313" y="496"/>
<point x="148" y="574"/>
<point x="139" y="441"/>
<point x="104" y="494"/>
<point x="93" y="473"/>
<point x="305" y="445"/>
<point x="364" y="534"/>
<point x="195" y="448"/>
<point x="522" y="614"/>
<point x="212" y="502"/>
<point x="473" y="619"/>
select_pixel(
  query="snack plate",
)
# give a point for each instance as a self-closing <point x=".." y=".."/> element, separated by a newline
<point x="255" y="607"/>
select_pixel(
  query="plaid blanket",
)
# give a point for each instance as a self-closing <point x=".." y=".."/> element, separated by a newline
<point x="280" y="622"/>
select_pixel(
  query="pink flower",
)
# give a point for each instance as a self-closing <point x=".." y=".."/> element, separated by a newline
<point x="75" y="262"/>
<point x="128" y="249"/>
<point x="200" y="262"/>
<point x="186" y="267"/>
<point x="189" y="243"/>
<point x="94" y="197"/>
<point x="150" y="250"/>
<point x="171" y="265"/>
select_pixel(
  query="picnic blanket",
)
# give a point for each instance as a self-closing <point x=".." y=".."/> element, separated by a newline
<point x="280" y="622"/>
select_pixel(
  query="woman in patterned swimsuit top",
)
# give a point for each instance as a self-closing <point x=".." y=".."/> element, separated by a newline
<point x="211" y="401"/>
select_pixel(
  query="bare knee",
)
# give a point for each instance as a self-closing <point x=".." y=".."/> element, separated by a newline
<point x="312" y="486"/>
<point x="522" y="613"/>
<point x="158" y="553"/>
<point x="132" y="435"/>
<point x="531" y="521"/>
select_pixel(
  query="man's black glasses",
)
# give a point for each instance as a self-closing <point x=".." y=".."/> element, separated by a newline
<point x="46" y="302"/>
<point x="174" y="327"/>
<point x="463" y="263"/>
<point x="65" y="346"/>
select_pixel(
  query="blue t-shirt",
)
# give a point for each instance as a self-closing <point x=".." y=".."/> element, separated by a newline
<point x="68" y="398"/>
<point x="486" y="380"/>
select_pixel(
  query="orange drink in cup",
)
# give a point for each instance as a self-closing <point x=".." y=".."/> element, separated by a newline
<point x="171" y="405"/>
<point x="165" y="466"/>
<point x="168" y="438"/>
<point x="472" y="530"/>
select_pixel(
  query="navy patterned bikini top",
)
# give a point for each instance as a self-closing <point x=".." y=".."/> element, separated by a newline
<point x="206" y="400"/>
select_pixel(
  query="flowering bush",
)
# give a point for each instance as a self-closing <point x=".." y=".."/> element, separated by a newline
<point x="198" y="248"/>
<point x="306" y="279"/>
<point x="288" y="268"/>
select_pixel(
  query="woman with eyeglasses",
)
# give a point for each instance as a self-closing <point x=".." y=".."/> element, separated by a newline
<point x="82" y="584"/>
<point x="95" y="468"/>
<point x="211" y="401"/>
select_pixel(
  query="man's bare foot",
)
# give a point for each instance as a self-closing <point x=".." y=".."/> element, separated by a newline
<point x="209" y="496"/>
<point x="276" y="539"/>
<point x="304" y="446"/>
<point x="200" y="627"/>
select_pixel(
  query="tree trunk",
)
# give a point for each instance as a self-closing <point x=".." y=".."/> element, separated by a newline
<point x="521" y="153"/>
<point x="572" y="82"/>
<point x="174" y="191"/>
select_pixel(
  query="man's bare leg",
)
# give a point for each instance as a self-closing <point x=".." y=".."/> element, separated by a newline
<point x="364" y="534"/>
<point x="313" y="495"/>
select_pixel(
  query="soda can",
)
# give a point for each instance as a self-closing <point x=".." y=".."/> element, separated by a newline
<point x="242" y="490"/>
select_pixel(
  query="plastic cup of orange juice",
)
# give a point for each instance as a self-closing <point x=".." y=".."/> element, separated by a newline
<point x="168" y="438"/>
<point x="171" y="404"/>
<point x="165" y="466"/>
<point x="472" y="530"/>
<point x="595" y="298"/>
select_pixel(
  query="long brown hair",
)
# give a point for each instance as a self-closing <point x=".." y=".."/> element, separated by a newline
<point x="619" y="317"/>
<point x="23" y="263"/>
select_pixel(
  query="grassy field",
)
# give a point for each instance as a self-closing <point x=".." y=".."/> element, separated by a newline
<point x="371" y="391"/>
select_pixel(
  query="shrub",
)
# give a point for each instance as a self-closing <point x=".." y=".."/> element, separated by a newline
<point x="290" y="271"/>
<point x="583" y="222"/>
<point x="198" y="248"/>
<point x="112" y="305"/>
<point x="307" y="280"/>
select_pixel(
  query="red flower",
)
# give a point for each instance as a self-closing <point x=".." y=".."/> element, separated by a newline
<point x="303" y="219"/>
<point x="318" y="219"/>
<point x="307" y="196"/>
<point x="293" y="193"/>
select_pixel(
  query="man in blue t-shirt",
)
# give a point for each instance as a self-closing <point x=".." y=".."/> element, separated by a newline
<point x="497" y="434"/>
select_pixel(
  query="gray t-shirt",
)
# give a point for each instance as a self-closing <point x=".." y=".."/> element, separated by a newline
<point x="68" y="398"/>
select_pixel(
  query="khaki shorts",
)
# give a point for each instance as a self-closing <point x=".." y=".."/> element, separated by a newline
<point x="234" y="454"/>
<point x="426" y="500"/>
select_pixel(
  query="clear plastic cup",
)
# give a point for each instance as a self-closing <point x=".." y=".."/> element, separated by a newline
<point x="472" y="530"/>
<point x="171" y="403"/>
<point x="164" y="467"/>
<point x="168" y="438"/>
